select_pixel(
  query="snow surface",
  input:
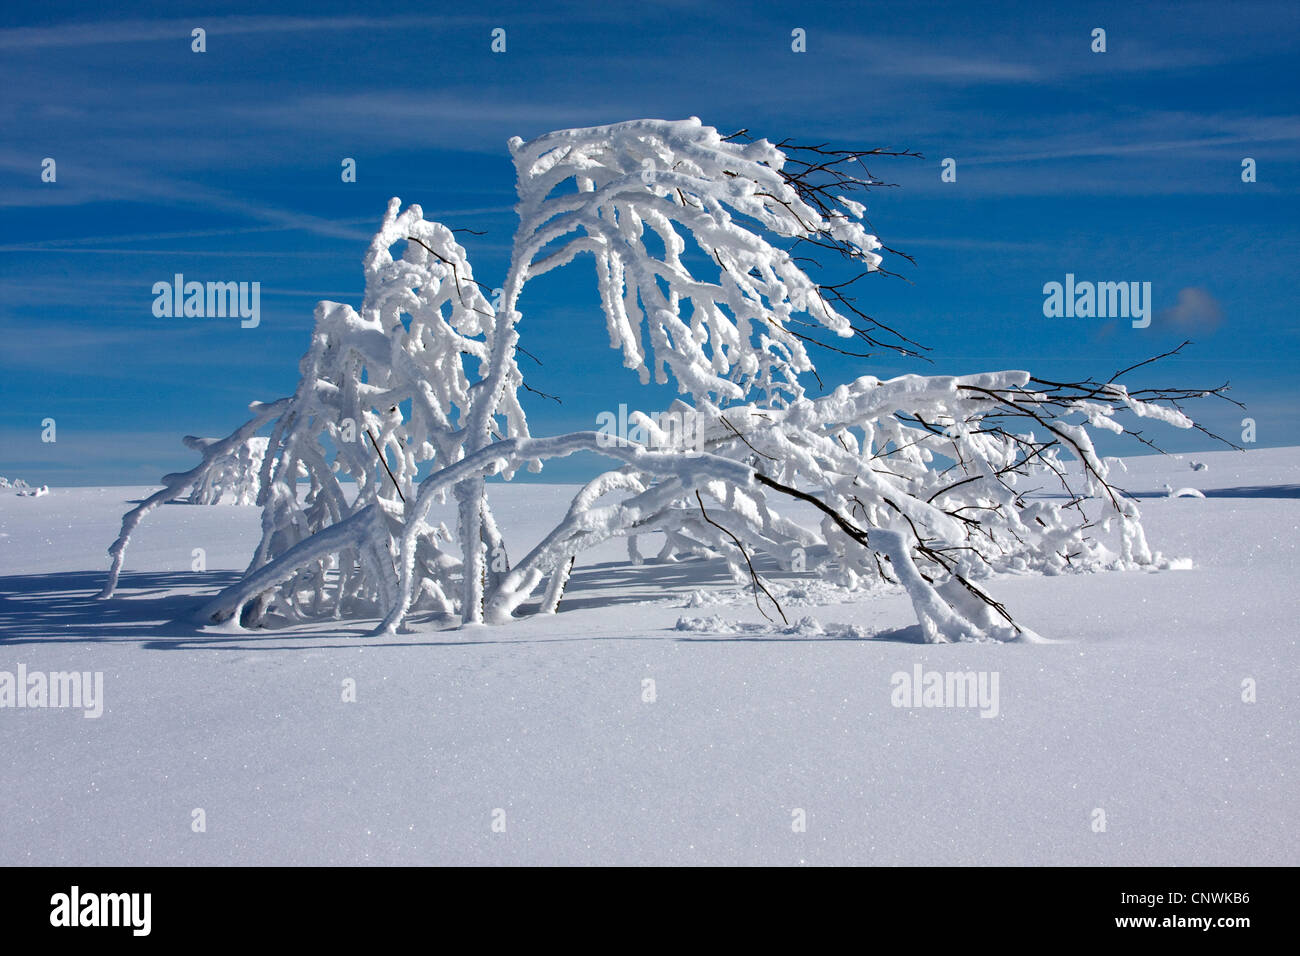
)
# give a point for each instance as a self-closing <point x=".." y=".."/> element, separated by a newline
<point x="1136" y="709"/>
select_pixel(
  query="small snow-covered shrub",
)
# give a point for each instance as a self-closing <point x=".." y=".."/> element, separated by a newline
<point x="700" y="244"/>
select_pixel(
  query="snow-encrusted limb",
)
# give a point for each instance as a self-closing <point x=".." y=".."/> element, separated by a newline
<point x="556" y="585"/>
<point x="234" y="475"/>
<point x="507" y="455"/>
<point x="175" y="485"/>
<point x="355" y="532"/>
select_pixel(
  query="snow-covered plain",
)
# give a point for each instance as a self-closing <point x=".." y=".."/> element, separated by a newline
<point x="1136" y="711"/>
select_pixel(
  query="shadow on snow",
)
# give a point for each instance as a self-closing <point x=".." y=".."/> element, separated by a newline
<point x="153" y="609"/>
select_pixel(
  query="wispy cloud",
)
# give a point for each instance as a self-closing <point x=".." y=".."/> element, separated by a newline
<point x="149" y="31"/>
<point x="1195" y="312"/>
<point x="1230" y="131"/>
<point x="112" y="184"/>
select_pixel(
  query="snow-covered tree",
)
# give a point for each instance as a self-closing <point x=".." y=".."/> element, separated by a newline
<point x="701" y="246"/>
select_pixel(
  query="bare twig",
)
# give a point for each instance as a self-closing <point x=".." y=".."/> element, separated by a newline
<point x="753" y="575"/>
<point x="383" y="461"/>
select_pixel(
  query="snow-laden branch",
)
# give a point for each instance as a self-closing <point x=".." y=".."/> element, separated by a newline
<point x="175" y="485"/>
<point x="632" y="195"/>
<point x="234" y="476"/>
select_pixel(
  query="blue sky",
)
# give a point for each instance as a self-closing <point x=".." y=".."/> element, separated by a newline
<point x="1115" y="166"/>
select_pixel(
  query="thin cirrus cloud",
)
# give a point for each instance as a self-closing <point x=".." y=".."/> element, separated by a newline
<point x="65" y="244"/>
<point x="419" y="118"/>
<point x="149" y="31"/>
<point x="1054" y="59"/>
<point x="1233" y="131"/>
<point x="907" y="59"/>
<point x="1152" y="153"/>
<point x="96" y="184"/>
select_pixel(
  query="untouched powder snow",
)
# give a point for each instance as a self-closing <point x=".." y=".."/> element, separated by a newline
<point x="659" y="717"/>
